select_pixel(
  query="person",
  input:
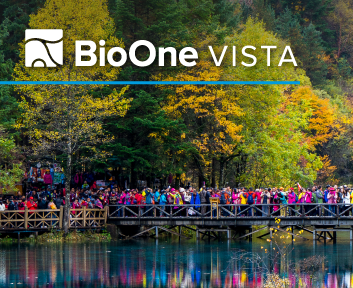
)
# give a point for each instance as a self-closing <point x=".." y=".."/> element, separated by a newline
<point x="243" y="202"/>
<point x="346" y="201"/>
<point x="203" y="194"/>
<point x="11" y="206"/>
<point x="59" y="201"/>
<point x="235" y="200"/>
<point x="195" y="200"/>
<point x="43" y="204"/>
<point x="257" y="199"/>
<point x="48" y="180"/>
<point x="31" y="205"/>
<point x="283" y="201"/>
<point x="162" y="202"/>
<point x="332" y="200"/>
<point x="292" y="199"/>
<point x="265" y="199"/>
<point x="76" y="205"/>
<point x="98" y="204"/>
<point x="2" y="206"/>
<point x="89" y="204"/>
<point x="22" y="204"/>
<point x="339" y="199"/>
<point x="52" y="206"/>
<point x="149" y="202"/>
<point x="85" y="185"/>
<point x="320" y="198"/>
<point x="113" y="199"/>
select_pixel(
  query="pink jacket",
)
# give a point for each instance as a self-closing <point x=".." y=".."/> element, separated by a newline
<point x="258" y="197"/>
<point x="307" y="197"/>
<point x="291" y="197"/>
<point x="332" y="197"/>
<point x="236" y="198"/>
<point x="47" y="179"/>
<point x="122" y="199"/>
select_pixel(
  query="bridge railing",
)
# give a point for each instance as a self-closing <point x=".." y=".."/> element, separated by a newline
<point x="212" y="211"/>
<point x="52" y="218"/>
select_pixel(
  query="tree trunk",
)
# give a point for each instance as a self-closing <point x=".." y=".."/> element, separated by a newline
<point x="66" y="220"/>
<point x="67" y="195"/>
<point x="221" y="172"/>
<point x="213" y="173"/>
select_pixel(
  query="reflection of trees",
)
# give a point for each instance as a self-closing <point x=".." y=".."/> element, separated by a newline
<point x="145" y="264"/>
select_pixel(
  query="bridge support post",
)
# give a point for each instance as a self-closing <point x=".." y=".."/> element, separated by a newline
<point x="156" y="229"/>
<point x="314" y="233"/>
<point x="351" y="234"/>
<point x="179" y="229"/>
<point x="197" y="234"/>
<point x="228" y="233"/>
<point x="270" y="232"/>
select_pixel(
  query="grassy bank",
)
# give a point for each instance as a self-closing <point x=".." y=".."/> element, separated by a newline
<point x="59" y="236"/>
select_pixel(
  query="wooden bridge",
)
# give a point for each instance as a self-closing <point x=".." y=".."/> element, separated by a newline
<point x="36" y="220"/>
<point x="321" y="220"/>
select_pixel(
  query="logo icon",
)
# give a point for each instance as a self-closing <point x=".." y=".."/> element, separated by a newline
<point x="43" y="47"/>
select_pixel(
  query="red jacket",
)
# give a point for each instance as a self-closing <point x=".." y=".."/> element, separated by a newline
<point x="138" y="198"/>
<point x="31" y="206"/>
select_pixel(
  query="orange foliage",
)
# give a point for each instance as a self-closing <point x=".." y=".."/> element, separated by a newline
<point x="322" y="122"/>
<point x="325" y="174"/>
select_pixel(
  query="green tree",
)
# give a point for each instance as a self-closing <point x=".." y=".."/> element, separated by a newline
<point x="10" y="163"/>
<point x="313" y="55"/>
<point x="63" y="119"/>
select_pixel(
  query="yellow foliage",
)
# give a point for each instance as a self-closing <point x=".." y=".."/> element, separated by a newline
<point x="69" y="117"/>
<point x="206" y="109"/>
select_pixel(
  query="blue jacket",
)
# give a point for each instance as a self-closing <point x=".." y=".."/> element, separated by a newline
<point x="162" y="199"/>
<point x="195" y="200"/>
<point x="149" y="197"/>
<point x="325" y="196"/>
<point x="156" y="195"/>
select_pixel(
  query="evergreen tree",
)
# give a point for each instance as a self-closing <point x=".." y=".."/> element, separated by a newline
<point x="312" y="60"/>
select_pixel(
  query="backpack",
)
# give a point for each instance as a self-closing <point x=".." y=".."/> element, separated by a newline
<point x="296" y="198"/>
<point x="170" y="200"/>
<point x="226" y="195"/>
<point x="250" y="199"/>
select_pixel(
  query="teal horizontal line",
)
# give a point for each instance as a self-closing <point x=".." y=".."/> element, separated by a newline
<point x="148" y="82"/>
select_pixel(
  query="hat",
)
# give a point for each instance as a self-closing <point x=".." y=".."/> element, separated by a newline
<point x="31" y="198"/>
<point x="291" y="188"/>
<point x="332" y="189"/>
<point x="172" y="190"/>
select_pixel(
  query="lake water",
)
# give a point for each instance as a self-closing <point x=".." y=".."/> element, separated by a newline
<point x="163" y="263"/>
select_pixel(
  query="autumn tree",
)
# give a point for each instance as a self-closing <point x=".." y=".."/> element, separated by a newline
<point x="272" y="149"/>
<point x="62" y="119"/>
<point x="207" y="111"/>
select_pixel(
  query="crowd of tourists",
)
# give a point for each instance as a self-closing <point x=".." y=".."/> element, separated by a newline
<point x="171" y="200"/>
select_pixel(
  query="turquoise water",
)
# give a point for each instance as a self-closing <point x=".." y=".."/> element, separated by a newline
<point x="163" y="263"/>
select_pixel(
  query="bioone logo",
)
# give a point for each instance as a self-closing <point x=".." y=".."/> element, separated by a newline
<point x="43" y="47"/>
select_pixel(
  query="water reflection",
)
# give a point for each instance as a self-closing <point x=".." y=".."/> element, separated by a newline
<point x="158" y="264"/>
